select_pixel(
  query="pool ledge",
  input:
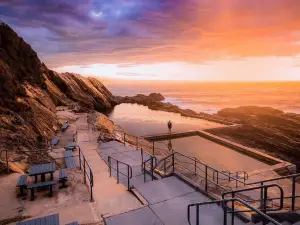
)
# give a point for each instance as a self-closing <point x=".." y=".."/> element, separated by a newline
<point x="280" y="166"/>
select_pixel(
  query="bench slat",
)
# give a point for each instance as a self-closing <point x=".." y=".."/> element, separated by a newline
<point x="73" y="223"/>
<point x="42" y="184"/>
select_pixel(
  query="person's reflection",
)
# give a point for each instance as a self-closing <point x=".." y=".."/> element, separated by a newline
<point x="170" y="147"/>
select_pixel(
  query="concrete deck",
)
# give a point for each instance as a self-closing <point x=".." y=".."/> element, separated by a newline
<point x="168" y="200"/>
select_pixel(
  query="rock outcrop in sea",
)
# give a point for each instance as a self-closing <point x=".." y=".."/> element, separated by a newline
<point x="154" y="101"/>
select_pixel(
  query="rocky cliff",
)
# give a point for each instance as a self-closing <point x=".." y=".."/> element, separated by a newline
<point x="30" y="92"/>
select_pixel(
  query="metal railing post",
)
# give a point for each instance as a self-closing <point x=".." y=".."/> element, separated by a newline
<point x="137" y="143"/>
<point x="144" y="166"/>
<point x="142" y="157"/>
<point x="195" y="166"/>
<point x="236" y="181"/>
<point x="232" y="209"/>
<point x="79" y="159"/>
<point x="261" y="196"/>
<point x="124" y="139"/>
<point x="91" y="184"/>
<point x="152" y="168"/>
<point x="229" y="176"/>
<point x="84" y="172"/>
<point x="153" y="148"/>
<point x="264" y="210"/>
<point x="225" y="213"/>
<point x="206" y="178"/>
<point x="128" y="179"/>
<point x="173" y="162"/>
<point x="117" y="171"/>
<point x="109" y="165"/>
<point x="197" y="215"/>
<point x="293" y="193"/>
<point x="217" y="177"/>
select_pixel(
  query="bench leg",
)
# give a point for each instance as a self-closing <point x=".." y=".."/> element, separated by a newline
<point x="43" y="178"/>
<point x="32" y="194"/>
<point x="51" y="176"/>
<point x="35" y="179"/>
<point x="51" y="191"/>
<point x="50" y="194"/>
<point x="21" y="191"/>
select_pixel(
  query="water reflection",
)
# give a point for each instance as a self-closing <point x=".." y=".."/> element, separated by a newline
<point x="139" y="120"/>
<point x="217" y="156"/>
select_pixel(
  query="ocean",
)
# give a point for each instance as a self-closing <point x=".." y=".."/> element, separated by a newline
<point x="212" y="97"/>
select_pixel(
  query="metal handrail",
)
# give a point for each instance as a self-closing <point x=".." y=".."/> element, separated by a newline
<point x="129" y="170"/>
<point x="124" y="136"/>
<point x="263" y="199"/>
<point x="235" y="178"/>
<point x="225" y="210"/>
<point x="152" y="159"/>
<point x="197" y="162"/>
<point x="230" y="177"/>
<point x="164" y="160"/>
<point x="89" y="175"/>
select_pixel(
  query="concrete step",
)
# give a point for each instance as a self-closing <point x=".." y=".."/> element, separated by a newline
<point x="283" y="223"/>
<point x="140" y="216"/>
<point x="164" y="189"/>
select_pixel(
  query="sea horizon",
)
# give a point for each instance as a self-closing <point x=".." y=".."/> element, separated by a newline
<point x="210" y="97"/>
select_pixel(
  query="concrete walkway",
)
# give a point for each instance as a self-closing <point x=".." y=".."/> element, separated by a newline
<point x="109" y="197"/>
<point x="168" y="200"/>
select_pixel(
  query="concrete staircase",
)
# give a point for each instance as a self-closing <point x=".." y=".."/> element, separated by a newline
<point x="128" y="155"/>
<point x="168" y="199"/>
<point x="165" y="200"/>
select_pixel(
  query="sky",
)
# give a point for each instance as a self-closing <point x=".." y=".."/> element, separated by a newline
<point x="203" y="40"/>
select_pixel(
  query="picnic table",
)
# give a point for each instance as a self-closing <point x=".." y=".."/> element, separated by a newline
<point x="42" y="169"/>
<point x="46" y="220"/>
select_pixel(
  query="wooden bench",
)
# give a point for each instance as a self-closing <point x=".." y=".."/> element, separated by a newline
<point x="54" y="140"/>
<point x="64" y="126"/>
<point x="22" y="184"/>
<point x="49" y="184"/>
<point x="46" y="220"/>
<point x="63" y="177"/>
<point x="70" y="160"/>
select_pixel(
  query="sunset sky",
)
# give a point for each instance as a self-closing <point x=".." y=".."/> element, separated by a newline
<point x="217" y="40"/>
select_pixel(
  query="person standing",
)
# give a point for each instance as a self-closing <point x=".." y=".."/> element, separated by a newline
<point x="170" y="126"/>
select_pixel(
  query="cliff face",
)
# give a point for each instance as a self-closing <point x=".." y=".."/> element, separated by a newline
<point x="29" y="93"/>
